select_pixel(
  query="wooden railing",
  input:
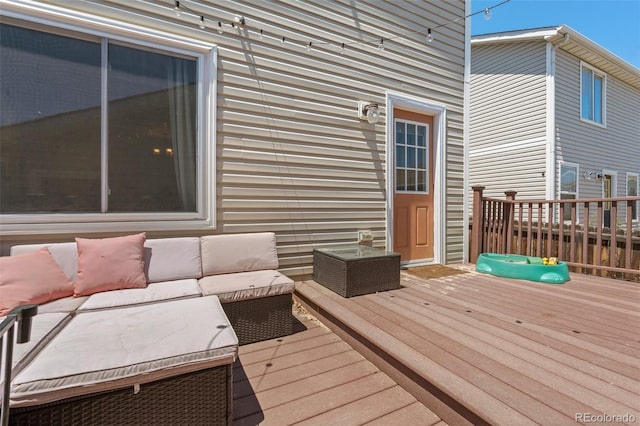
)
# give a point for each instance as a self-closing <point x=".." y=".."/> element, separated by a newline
<point x="534" y="228"/>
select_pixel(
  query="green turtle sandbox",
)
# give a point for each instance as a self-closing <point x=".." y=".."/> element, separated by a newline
<point x="522" y="267"/>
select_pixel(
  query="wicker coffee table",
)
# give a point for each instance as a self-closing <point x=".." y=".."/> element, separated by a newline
<point x="356" y="270"/>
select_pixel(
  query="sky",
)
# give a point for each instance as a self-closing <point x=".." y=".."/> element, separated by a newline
<point x="613" y="24"/>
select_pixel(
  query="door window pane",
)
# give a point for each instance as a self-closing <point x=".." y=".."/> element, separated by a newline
<point x="50" y="122"/>
<point x="401" y="137"/>
<point x="400" y="156"/>
<point x="400" y="180"/>
<point x="422" y="158"/>
<point x="422" y="136"/>
<point x="411" y="180"/>
<point x="411" y="157"/>
<point x="422" y="181"/>
<point x="411" y="134"/>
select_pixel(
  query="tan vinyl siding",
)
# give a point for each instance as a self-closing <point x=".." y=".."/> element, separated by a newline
<point x="507" y="138"/>
<point x="615" y="147"/>
<point x="292" y="155"/>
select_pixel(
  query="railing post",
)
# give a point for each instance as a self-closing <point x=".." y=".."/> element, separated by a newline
<point x="477" y="223"/>
<point x="508" y="220"/>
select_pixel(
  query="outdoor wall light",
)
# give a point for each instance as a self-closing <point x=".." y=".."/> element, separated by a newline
<point x="368" y="111"/>
<point x="593" y="174"/>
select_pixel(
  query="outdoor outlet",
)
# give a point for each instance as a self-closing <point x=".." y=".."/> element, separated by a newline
<point x="365" y="236"/>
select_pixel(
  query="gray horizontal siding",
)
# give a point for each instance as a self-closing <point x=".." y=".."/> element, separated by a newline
<point x="507" y="137"/>
<point x="292" y="155"/>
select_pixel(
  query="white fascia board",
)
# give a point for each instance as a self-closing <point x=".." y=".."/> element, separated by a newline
<point x="520" y="35"/>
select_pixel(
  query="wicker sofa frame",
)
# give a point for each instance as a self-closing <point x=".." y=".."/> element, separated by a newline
<point x="197" y="398"/>
<point x="261" y="318"/>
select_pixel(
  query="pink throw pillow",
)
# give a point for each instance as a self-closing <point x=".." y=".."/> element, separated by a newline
<point x="110" y="264"/>
<point x="31" y="278"/>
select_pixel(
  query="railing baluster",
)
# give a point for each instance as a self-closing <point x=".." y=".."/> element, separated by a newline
<point x="598" y="255"/>
<point x="529" y="228"/>
<point x="613" y="247"/>
<point x="539" y="232"/>
<point x="561" y="232"/>
<point x="572" y="235"/>
<point x="585" y="236"/>
<point x="550" y="229"/>
<point x="628" y="244"/>
<point x="520" y="228"/>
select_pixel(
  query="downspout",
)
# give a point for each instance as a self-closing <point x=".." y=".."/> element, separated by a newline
<point x="465" y="131"/>
<point x="551" y="192"/>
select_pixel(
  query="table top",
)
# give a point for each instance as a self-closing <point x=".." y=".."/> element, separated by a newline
<point x="356" y="252"/>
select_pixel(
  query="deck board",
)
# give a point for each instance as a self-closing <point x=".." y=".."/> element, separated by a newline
<point x="509" y="351"/>
<point x="313" y="377"/>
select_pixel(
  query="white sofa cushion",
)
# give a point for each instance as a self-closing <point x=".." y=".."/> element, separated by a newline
<point x="154" y="292"/>
<point x="246" y="285"/>
<point x="223" y="254"/>
<point x="65" y="254"/>
<point x="43" y="327"/>
<point x="168" y="259"/>
<point x="66" y="304"/>
<point x="113" y="349"/>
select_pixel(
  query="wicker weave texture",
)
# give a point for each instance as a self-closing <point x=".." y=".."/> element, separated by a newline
<point x="200" y="398"/>
<point x="356" y="277"/>
<point x="262" y="318"/>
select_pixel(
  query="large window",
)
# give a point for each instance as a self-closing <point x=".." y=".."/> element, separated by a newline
<point x="593" y="90"/>
<point x="95" y="129"/>
<point x="568" y="186"/>
<point x="632" y="191"/>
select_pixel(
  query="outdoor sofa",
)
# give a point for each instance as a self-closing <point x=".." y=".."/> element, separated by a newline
<point x="155" y="345"/>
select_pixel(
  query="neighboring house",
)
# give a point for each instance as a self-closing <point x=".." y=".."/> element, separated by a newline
<point x="553" y="115"/>
<point x="206" y="117"/>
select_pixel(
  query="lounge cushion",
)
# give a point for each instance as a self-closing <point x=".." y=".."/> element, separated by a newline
<point x="246" y="285"/>
<point x="65" y="255"/>
<point x="64" y="305"/>
<point x="110" y="264"/>
<point x="43" y="328"/>
<point x="223" y="254"/>
<point x="113" y="349"/>
<point x="154" y="292"/>
<point x="31" y="278"/>
<point x="168" y="259"/>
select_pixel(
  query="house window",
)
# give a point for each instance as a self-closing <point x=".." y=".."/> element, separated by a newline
<point x="99" y="130"/>
<point x="592" y="94"/>
<point x="568" y="186"/>
<point x="632" y="191"/>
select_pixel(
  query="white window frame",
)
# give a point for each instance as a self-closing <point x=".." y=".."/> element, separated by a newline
<point x="560" y="191"/>
<point x="637" y="176"/>
<point x="205" y="215"/>
<point x="595" y="72"/>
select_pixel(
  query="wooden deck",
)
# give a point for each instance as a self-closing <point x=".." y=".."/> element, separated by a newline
<point x="478" y="349"/>
<point x="314" y="378"/>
